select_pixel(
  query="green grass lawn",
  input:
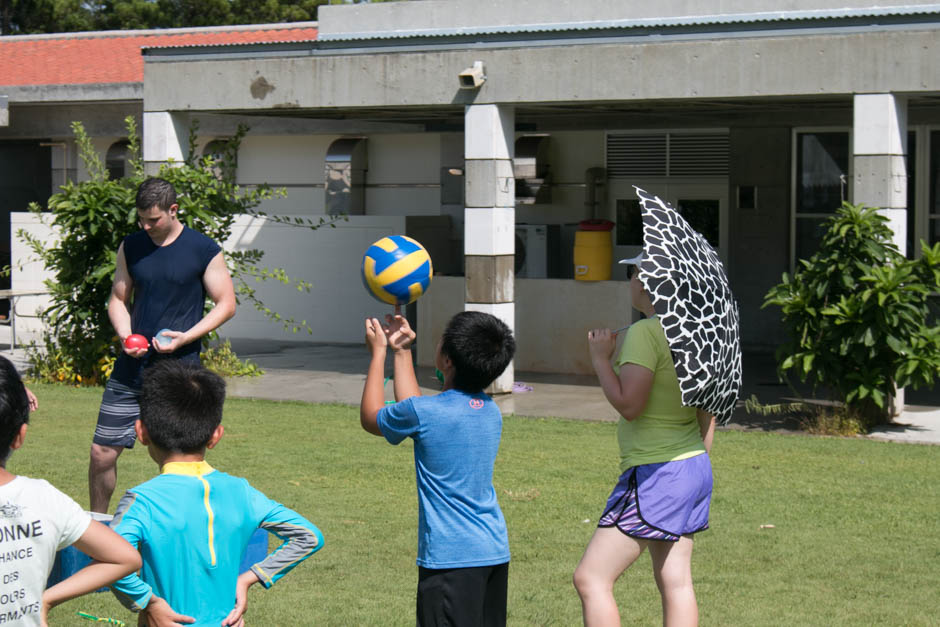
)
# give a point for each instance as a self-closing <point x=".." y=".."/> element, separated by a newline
<point x="856" y="539"/>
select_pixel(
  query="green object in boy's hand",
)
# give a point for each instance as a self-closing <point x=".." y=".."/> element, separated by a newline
<point x="106" y="621"/>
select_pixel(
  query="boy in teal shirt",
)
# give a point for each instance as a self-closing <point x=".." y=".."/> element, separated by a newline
<point x="192" y="523"/>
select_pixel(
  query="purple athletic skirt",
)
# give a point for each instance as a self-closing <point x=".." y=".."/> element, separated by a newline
<point x="661" y="501"/>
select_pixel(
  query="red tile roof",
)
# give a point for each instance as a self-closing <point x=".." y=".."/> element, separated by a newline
<point x="115" y="57"/>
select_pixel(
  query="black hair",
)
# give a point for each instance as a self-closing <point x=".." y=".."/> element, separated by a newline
<point x="155" y="191"/>
<point x="181" y="405"/>
<point x="480" y="346"/>
<point x="14" y="407"/>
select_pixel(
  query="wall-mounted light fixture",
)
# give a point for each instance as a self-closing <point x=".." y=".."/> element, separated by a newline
<point x="472" y="77"/>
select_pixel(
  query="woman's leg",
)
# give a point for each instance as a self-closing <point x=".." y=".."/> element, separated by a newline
<point x="608" y="554"/>
<point x="672" y="568"/>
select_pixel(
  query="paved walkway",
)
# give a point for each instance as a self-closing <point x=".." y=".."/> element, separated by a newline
<point x="334" y="373"/>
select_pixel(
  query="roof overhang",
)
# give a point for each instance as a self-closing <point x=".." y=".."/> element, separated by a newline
<point x="810" y="64"/>
<point x="74" y="94"/>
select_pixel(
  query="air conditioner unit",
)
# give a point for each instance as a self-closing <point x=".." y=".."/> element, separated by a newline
<point x="531" y="251"/>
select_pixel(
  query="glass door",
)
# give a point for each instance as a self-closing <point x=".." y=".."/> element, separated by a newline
<point x="704" y="205"/>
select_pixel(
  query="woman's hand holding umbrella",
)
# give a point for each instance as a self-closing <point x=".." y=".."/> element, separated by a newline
<point x="601" y="344"/>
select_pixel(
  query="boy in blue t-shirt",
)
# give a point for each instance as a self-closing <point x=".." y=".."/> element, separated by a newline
<point x="192" y="523"/>
<point x="463" y="549"/>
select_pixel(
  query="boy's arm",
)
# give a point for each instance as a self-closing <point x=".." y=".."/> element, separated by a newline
<point x="400" y="336"/>
<point x="244" y="581"/>
<point x="373" y="392"/>
<point x="130" y="522"/>
<point x="114" y="558"/>
<point x="301" y="540"/>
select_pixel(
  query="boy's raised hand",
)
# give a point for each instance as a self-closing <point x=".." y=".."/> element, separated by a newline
<point x="158" y="613"/>
<point x="236" y="617"/>
<point x="399" y="333"/>
<point x="375" y="336"/>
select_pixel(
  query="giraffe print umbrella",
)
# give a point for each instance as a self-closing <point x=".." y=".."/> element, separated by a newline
<point x="691" y="295"/>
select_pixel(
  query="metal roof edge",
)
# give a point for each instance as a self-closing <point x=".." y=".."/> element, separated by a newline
<point x="699" y="20"/>
<point x="230" y="44"/>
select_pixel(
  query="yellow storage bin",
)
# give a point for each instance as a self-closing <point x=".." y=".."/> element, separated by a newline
<point x="593" y="255"/>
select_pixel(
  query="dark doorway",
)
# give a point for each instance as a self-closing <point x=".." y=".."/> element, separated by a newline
<point x="25" y="177"/>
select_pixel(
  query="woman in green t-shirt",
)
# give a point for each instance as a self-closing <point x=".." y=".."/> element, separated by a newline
<point x="662" y="496"/>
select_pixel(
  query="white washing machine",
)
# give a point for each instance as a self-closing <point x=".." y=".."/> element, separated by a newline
<point x="531" y="251"/>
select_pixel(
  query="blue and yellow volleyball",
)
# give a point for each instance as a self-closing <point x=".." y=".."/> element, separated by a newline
<point x="396" y="270"/>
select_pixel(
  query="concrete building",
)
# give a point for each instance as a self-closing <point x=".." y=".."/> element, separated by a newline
<point x="489" y="130"/>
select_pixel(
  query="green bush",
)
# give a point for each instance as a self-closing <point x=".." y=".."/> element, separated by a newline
<point x="93" y="217"/>
<point x="222" y="360"/>
<point x="857" y="315"/>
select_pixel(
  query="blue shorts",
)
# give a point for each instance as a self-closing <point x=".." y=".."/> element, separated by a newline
<point x="661" y="501"/>
<point x="119" y="411"/>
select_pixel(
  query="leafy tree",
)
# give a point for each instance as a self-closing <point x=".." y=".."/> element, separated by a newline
<point x="93" y="217"/>
<point x="21" y="17"/>
<point x="857" y="314"/>
<point x="64" y="16"/>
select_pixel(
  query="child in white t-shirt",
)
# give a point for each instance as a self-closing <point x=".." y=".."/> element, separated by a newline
<point x="36" y="520"/>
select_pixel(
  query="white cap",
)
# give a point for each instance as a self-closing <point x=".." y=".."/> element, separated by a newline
<point x="633" y="261"/>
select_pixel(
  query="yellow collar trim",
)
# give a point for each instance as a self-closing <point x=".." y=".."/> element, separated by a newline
<point x="192" y="469"/>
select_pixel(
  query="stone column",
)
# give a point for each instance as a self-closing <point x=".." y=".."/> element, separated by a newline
<point x="490" y="217"/>
<point x="165" y="137"/>
<point x="880" y="166"/>
<point x="879" y="158"/>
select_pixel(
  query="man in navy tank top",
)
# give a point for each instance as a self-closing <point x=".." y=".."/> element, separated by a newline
<point x="162" y="276"/>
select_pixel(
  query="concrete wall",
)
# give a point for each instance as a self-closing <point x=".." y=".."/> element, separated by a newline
<point x="28" y="273"/>
<point x="404" y="171"/>
<point x="571" y="153"/>
<point x="403" y="176"/>
<point x="328" y="258"/>
<point x="553" y="317"/>
<point x="667" y="69"/>
<point x="55" y="120"/>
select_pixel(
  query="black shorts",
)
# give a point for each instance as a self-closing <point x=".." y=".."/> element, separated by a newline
<point x="463" y="596"/>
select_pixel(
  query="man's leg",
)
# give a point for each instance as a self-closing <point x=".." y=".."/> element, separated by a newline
<point x="113" y="433"/>
<point x="102" y="475"/>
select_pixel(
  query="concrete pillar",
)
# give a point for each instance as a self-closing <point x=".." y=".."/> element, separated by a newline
<point x="879" y="159"/>
<point x="880" y="166"/>
<point x="165" y="138"/>
<point x="490" y="217"/>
